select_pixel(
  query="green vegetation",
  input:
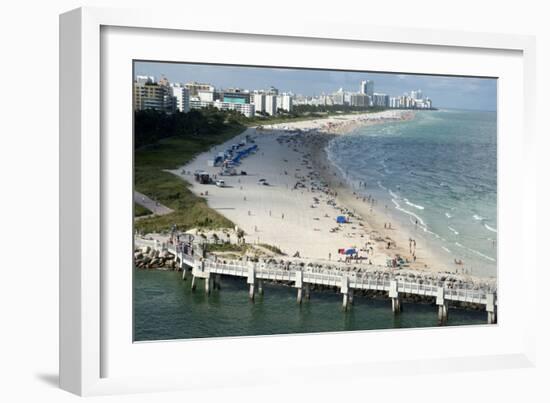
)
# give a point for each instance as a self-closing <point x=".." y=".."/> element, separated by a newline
<point x="151" y="126"/>
<point x="228" y="247"/>
<point x="140" y="211"/>
<point x="176" y="147"/>
<point x="272" y="248"/>
<point x="301" y="113"/>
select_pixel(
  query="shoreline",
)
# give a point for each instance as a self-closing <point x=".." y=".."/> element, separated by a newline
<point x="374" y="216"/>
<point x="300" y="148"/>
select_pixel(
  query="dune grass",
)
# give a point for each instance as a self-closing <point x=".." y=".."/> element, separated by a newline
<point x="190" y="211"/>
<point x="140" y="211"/>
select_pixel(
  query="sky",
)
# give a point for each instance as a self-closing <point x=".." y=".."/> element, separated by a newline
<point x="444" y="91"/>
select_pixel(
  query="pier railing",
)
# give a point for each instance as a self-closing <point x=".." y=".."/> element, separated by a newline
<point x="347" y="281"/>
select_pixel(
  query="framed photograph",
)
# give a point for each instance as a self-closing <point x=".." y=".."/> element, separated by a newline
<point x="229" y="194"/>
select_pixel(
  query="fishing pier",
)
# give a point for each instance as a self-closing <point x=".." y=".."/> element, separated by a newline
<point x="209" y="270"/>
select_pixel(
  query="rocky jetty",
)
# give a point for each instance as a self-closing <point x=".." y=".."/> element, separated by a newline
<point x="149" y="258"/>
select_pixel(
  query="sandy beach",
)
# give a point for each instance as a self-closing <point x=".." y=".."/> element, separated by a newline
<point x="297" y="209"/>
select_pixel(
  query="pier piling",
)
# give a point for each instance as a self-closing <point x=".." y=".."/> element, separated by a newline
<point x="251" y="280"/>
<point x="251" y="292"/>
<point x="299" y="285"/>
<point x="491" y="309"/>
<point x="207" y="284"/>
<point x="442" y="313"/>
<point x="443" y="307"/>
<point x="345" y="301"/>
<point x="193" y="283"/>
<point x="260" y="287"/>
<point x="395" y="299"/>
<point x="396" y="306"/>
<point x="344" y="289"/>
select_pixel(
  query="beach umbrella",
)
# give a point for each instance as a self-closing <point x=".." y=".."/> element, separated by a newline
<point x="341" y="219"/>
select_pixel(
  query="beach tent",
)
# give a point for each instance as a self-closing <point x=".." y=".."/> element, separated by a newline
<point x="341" y="219"/>
<point x="351" y="251"/>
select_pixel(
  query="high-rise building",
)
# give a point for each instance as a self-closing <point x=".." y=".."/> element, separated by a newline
<point x="258" y="98"/>
<point x="381" y="100"/>
<point x="182" y="97"/>
<point x="360" y="100"/>
<point x="367" y="87"/>
<point x="151" y="95"/>
<point x="284" y="102"/>
<point x="271" y="104"/>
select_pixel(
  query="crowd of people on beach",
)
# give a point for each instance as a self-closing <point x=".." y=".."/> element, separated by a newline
<point x="310" y="179"/>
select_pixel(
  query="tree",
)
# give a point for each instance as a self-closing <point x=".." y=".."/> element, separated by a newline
<point x="240" y="235"/>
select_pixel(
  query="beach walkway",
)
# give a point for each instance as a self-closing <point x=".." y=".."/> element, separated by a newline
<point x="150" y="204"/>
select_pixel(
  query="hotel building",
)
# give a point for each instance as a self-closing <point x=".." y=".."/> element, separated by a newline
<point x="195" y="87"/>
<point x="150" y="95"/>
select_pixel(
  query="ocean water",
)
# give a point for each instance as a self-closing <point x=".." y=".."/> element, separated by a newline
<point x="165" y="308"/>
<point x="437" y="175"/>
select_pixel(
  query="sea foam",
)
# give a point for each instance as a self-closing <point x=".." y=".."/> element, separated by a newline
<point x="490" y="228"/>
<point x="418" y="206"/>
<point x="453" y="230"/>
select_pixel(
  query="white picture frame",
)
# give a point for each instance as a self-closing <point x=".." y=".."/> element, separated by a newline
<point x="87" y="314"/>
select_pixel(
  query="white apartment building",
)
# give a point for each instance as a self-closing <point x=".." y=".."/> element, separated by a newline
<point x="284" y="102"/>
<point x="271" y="104"/>
<point x="246" y="109"/>
<point x="394" y="102"/>
<point x="258" y="99"/>
<point x="182" y="97"/>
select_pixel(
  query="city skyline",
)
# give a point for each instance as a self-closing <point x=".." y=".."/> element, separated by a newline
<point x="445" y="91"/>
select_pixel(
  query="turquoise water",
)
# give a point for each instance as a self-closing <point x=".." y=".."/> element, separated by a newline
<point x="165" y="308"/>
<point x="437" y="175"/>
